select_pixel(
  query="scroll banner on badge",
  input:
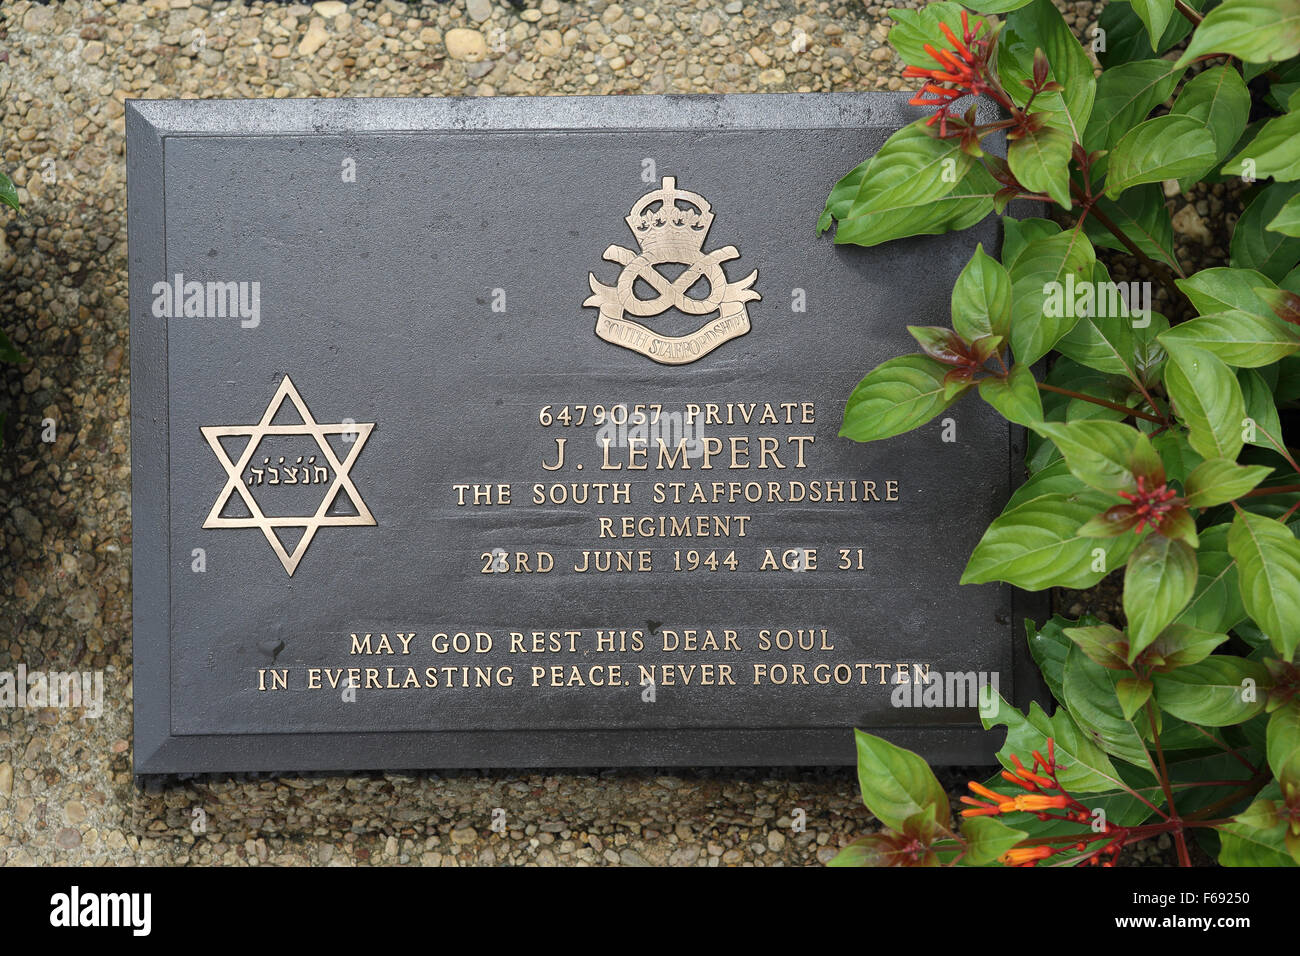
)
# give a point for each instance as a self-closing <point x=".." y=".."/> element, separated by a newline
<point x="616" y="303"/>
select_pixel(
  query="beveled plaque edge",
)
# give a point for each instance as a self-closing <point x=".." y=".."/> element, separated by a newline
<point x="155" y="750"/>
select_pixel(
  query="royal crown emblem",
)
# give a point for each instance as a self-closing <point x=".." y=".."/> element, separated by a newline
<point x="670" y="225"/>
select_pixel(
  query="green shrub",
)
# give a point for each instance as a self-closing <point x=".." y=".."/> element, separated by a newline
<point x="1156" y="440"/>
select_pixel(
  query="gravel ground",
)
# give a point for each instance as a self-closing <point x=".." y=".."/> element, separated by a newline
<point x="66" y="791"/>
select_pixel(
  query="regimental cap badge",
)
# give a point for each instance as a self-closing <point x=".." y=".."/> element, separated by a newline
<point x="670" y="226"/>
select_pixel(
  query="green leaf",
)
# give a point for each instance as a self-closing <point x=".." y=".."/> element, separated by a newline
<point x="1226" y="290"/>
<point x="1102" y="643"/>
<point x="1048" y="646"/>
<point x="1213" y="692"/>
<point x="1149" y="355"/>
<point x="913" y="29"/>
<point x="882" y="849"/>
<point x="1126" y="40"/>
<point x="1218" y="98"/>
<point x="1041" y="161"/>
<point x="1125" y="95"/>
<point x="981" y="298"/>
<point x="1245" y="842"/>
<point x="996" y="6"/>
<point x="1017" y="234"/>
<point x="1176" y="453"/>
<point x="1287" y="221"/>
<point x="897" y="396"/>
<point x="1268" y="563"/>
<point x="910" y="166"/>
<point x="1104" y="343"/>
<point x="1015" y="397"/>
<point x="1218" y="480"/>
<point x="1155" y="15"/>
<point x="1055" y="478"/>
<point x="1098" y="453"/>
<point x="1252" y="30"/>
<point x="1253" y="246"/>
<point x="1040" y="269"/>
<point x="1180" y="645"/>
<point x="938" y="342"/>
<point x="897" y="784"/>
<point x="1158" y="582"/>
<point x="1274" y="151"/>
<point x="1093" y="702"/>
<point x="1085" y="768"/>
<point x="1166" y="147"/>
<point x="8" y="194"/>
<point x="1133" y="693"/>
<point x="1216" y="605"/>
<point x="1265" y="427"/>
<point x="1039" y="25"/>
<point x="1238" y="338"/>
<point x="1037" y="545"/>
<point x="1208" y="399"/>
<point x="1284" y="742"/>
<point x="874" y="849"/>
<point x="1141" y="215"/>
<point x="1261" y="813"/>
<point x="1280" y="93"/>
<point x="987" y="839"/>
<point x="901" y="214"/>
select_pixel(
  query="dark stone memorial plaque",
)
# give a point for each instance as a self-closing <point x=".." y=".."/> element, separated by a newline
<point x="504" y="432"/>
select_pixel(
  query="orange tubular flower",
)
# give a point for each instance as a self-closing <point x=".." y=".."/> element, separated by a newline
<point x="961" y="67"/>
<point x="1026" y="855"/>
<point x="1028" y="776"/>
<point x="1010" y="777"/>
<point x="978" y="808"/>
<point x="1046" y="794"/>
<point x="1038" y="802"/>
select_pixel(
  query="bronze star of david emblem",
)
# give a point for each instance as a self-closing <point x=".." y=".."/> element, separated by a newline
<point x="309" y="473"/>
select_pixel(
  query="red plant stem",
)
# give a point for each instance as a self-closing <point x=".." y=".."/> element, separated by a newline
<point x="1255" y="784"/>
<point x="1180" y="838"/>
<point x="1192" y="16"/>
<point x="1056" y="783"/>
<point x="1193" y="784"/>
<point x="1283" y="520"/>
<point x="1129" y="834"/>
<point x="1136" y="413"/>
<point x="1161" y="271"/>
<point x="1285" y="452"/>
<point x="1088" y="204"/>
<point x="1164" y="420"/>
<point x="1276" y="490"/>
<point x="1223" y="746"/>
<point x="1067" y="838"/>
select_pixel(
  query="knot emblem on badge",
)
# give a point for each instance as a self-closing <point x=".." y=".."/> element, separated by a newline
<point x="670" y="226"/>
